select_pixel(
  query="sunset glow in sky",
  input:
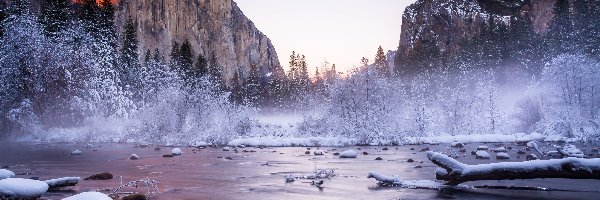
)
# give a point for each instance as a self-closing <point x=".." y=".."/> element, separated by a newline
<point x="340" y="31"/>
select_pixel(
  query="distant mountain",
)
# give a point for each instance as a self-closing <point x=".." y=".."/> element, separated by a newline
<point x="439" y="32"/>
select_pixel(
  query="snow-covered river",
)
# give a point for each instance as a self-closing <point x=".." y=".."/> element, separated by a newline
<point x="255" y="173"/>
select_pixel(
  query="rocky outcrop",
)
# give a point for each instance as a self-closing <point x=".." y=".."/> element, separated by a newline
<point x="446" y="24"/>
<point x="212" y="26"/>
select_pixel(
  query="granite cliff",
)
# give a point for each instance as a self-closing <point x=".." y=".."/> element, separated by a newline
<point x="211" y="26"/>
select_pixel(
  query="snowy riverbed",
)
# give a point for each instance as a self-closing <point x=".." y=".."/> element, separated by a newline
<point x="254" y="173"/>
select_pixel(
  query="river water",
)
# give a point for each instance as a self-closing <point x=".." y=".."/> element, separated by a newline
<point x="259" y="173"/>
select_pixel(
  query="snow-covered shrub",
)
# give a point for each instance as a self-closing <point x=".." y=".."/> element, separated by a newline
<point x="570" y="99"/>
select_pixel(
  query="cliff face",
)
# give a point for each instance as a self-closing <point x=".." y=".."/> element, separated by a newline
<point x="446" y="24"/>
<point x="212" y="26"/>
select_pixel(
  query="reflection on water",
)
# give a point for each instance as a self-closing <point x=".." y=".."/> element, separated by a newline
<point x="208" y="174"/>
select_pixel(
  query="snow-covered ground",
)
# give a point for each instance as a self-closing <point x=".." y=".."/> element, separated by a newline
<point x="22" y="188"/>
<point x="89" y="196"/>
<point x="276" y="141"/>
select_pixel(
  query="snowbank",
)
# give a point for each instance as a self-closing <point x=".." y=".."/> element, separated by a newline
<point x="63" y="182"/>
<point x="22" y="188"/>
<point x="4" y="173"/>
<point x="89" y="196"/>
<point x="475" y="138"/>
<point x="293" y="141"/>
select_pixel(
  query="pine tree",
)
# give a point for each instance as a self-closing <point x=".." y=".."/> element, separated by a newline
<point x="148" y="57"/>
<point x="236" y="88"/>
<point x="303" y="74"/>
<point x="106" y="25"/>
<point x="186" y="60"/>
<point x="201" y="66"/>
<point x="214" y="71"/>
<point x="587" y="31"/>
<point x="293" y="72"/>
<point x="2" y="18"/>
<point x="89" y="14"/>
<point x="129" y="45"/>
<point x="18" y="7"/>
<point x="560" y="35"/>
<point x="525" y="45"/>
<point x="129" y="56"/>
<point x="54" y="16"/>
<point x="252" y="86"/>
<point x="157" y="57"/>
<point x="175" y="54"/>
<point x="381" y="64"/>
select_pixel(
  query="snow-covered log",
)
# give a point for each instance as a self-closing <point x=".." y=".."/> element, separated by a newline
<point x="63" y="182"/>
<point x="456" y="172"/>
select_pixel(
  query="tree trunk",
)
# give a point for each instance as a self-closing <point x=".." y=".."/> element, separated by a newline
<point x="572" y="168"/>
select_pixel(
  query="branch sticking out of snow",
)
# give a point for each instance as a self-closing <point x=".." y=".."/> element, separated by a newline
<point x="455" y="172"/>
<point x="570" y="151"/>
<point x="385" y="180"/>
<point x="414" y="184"/>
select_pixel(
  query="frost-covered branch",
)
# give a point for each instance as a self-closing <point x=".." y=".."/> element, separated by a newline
<point x="455" y="172"/>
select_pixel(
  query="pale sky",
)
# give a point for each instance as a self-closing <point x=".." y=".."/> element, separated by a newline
<point x="339" y="31"/>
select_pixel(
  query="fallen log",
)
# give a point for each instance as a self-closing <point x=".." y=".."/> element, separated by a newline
<point x="455" y="172"/>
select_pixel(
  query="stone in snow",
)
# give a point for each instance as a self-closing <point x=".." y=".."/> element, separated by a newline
<point x="134" y="157"/>
<point x="225" y="148"/>
<point x="176" y="152"/>
<point x="22" y="188"/>
<point x="482" y="155"/>
<point x="500" y="149"/>
<point x="348" y="154"/>
<point x="89" y="196"/>
<point x="457" y="144"/>
<point x="5" y="173"/>
<point x="531" y="157"/>
<point x="318" y="152"/>
<point x="502" y="156"/>
<point x="63" y="182"/>
<point x="481" y="148"/>
<point x="76" y="152"/>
